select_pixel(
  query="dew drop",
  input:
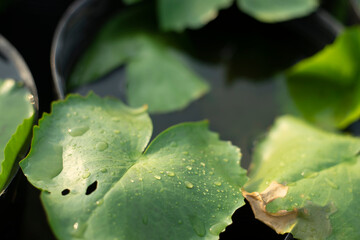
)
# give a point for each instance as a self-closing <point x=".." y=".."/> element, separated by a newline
<point x="216" y="229"/>
<point x="311" y="174"/>
<point x="76" y="226"/>
<point x="157" y="177"/>
<point x="145" y="219"/>
<point x="77" y="131"/>
<point x="101" y="201"/>
<point x="331" y="184"/>
<point x="189" y="185"/>
<point x="86" y="175"/>
<point x="188" y="168"/>
<point x="116" y="131"/>
<point x="170" y="173"/>
<point x="101" y="146"/>
<point x="202" y="164"/>
<point x="103" y="170"/>
<point x="78" y="230"/>
<point x="198" y="226"/>
<point x="217" y="184"/>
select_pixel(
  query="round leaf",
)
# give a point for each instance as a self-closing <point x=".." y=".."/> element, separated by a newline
<point x="98" y="182"/>
<point x="306" y="181"/>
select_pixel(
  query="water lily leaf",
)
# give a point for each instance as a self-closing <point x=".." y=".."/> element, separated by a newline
<point x="16" y="123"/>
<point x="156" y="74"/>
<point x="277" y="10"/>
<point x="180" y="14"/>
<point x="100" y="181"/>
<point x="306" y="181"/>
<point x="326" y="87"/>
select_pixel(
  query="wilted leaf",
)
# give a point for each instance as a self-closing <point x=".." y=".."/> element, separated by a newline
<point x="156" y="74"/>
<point x="16" y="120"/>
<point x="99" y="182"/>
<point x="277" y="10"/>
<point x="308" y="177"/>
<point x="326" y="87"/>
<point x="178" y="15"/>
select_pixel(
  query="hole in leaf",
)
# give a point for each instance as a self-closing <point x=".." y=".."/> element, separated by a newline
<point x="65" y="192"/>
<point x="91" y="188"/>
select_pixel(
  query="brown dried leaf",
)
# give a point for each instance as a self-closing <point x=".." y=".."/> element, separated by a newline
<point x="282" y="221"/>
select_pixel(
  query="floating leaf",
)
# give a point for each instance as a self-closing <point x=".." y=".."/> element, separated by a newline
<point x="99" y="182"/>
<point x="277" y="10"/>
<point x="326" y="87"/>
<point x="156" y="74"/>
<point x="16" y="123"/>
<point x="306" y="181"/>
<point x="180" y="14"/>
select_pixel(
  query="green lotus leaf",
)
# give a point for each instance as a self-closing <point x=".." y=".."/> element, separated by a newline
<point x="277" y="10"/>
<point x="100" y="181"/>
<point x="306" y="181"/>
<point x="155" y="71"/>
<point x="180" y="14"/>
<point x="16" y="122"/>
<point x="325" y="88"/>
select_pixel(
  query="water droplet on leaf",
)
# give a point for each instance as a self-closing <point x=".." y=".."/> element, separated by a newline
<point x="145" y="220"/>
<point x="218" y="228"/>
<point x="77" y="131"/>
<point x="157" y="177"/>
<point x="78" y="230"/>
<point x="101" y="146"/>
<point x="331" y="184"/>
<point x="217" y="183"/>
<point x="189" y="185"/>
<point x="170" y="173"/>
<point x="86" y="175"/>
<point x="198" y="226"/>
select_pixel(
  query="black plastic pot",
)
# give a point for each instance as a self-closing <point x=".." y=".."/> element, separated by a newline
<point x="12" y="200"/>
<point x="294" y="40"/>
